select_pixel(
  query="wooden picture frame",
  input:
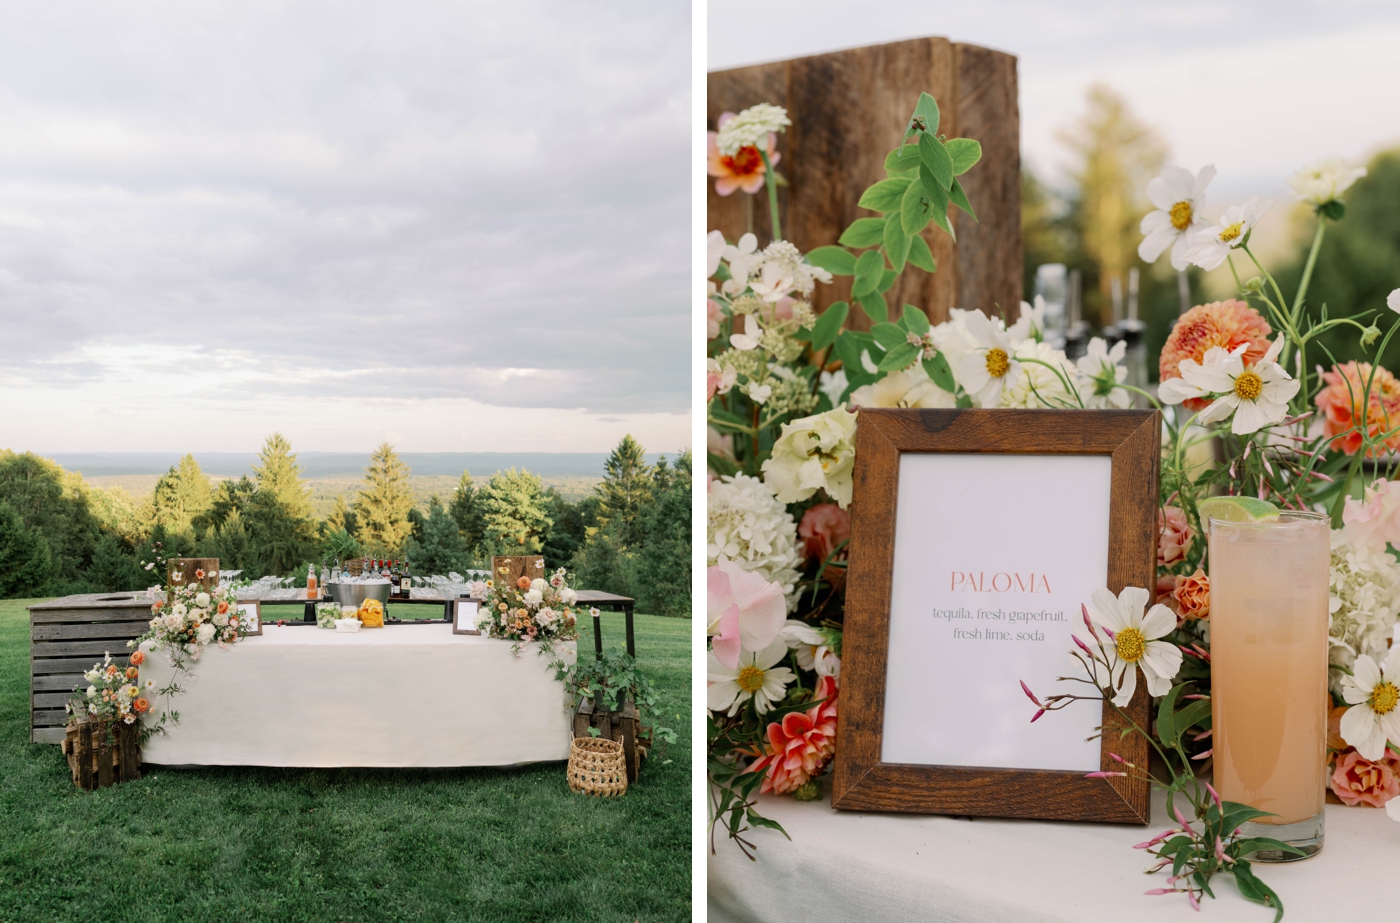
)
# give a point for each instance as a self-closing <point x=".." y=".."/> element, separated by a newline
<point x="244" y="606"/>
<point x="465" y="611"/>
<point x="861" y="781"/>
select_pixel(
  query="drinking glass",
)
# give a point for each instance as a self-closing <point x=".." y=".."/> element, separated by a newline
<point x="1268" y="646"/>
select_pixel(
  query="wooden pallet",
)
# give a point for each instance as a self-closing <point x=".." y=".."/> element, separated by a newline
<point x="100" y="756"/>
<point x="622" y="726"/>
<point x="66" y="637"/>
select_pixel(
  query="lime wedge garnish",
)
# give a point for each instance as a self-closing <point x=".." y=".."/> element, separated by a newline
<point x="1237" y="509"/>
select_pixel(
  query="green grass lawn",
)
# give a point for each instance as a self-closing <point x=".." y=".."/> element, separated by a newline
<point x="234" y="844"/>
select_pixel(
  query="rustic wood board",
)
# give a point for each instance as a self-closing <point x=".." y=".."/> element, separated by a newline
<point x="517" y="565"/>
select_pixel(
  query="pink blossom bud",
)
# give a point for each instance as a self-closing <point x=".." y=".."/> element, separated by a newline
<point x="1161" y="891"/>
<point x="1220" y="850"/>
<point x="1030" y="695"/>
<point x="1201" y="756"/>
<point x="1082" y="646"/>
<point x="1195" y="904"/>
<point x="1037" y="716"/>
<point x="1181" y="819"/>
<point x="1216" y="795"/>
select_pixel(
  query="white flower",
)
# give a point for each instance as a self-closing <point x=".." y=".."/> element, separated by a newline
<point x="1134" y="643"/>
<point x="989" y="368"/>
<point x="742" y="260"/>
<point x="538" y="584"/>
<point x="533" y="598"/>
<point x="1049" y="388"/>
<point x="756" y="677"/>
<point x="811" y="453"/>
<point x="546" y="617"/>
<point x="909" y="387"/>
<point x="1392" y="301"/>
<point x="813" y="652"/>
<point x="747" y="333"/>
<point x="757" y="393"/>
<point x="834" y="384"/>
<point x="952" y="339"/>
<point x="1030" y="325"/>
<point x="1325" y="180"/>
<point x="221" y="619"/>
<point x="1210" y="246"/>
<point x="92" y="692"/>
<point x="781" y="271"/>
<point x="1364" y="597"/>
<point x="1372" y="693"/>
<point x="714" y="249"/>
<point x="202" y="600"/>
<point x="1178" y="198"/>
<point x="178" y="610"/>
<point x="1102" y="374"/>
<point x="568" y="596"/>
<point x="1258" y="396"/>
<point x="867" y="363"/>
<point x="746" y="524"/>
<point x="751" y="128"/>
<point x="205" y="634"/>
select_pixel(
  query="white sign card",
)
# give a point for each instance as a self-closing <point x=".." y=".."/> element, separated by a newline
<point x="250" y="616"/>
<point x="464" y="615"/>
<point x="993" y="556"/>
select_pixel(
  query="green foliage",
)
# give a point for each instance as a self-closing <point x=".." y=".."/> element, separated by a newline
<point x="54" y="504"/>
<point x="25" y="565"/>
<point x="514" y="513"/>
<point x="626" y="488"/>
<point x="340" y="544"/>
<point x="341" y="518"/>
<point x="466" y="513"/>
<point x="280" y="475"/>
<point x="249" y="527"/>
<point x="441" y="549"/>
<point x="382" y="508"/>
<point x="181" y="496"/>
<point x="571" y="522"/>
<point x="603" y="680"/>
<point x="114" y="568"/>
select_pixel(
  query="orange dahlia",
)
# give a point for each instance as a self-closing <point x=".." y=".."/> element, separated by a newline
<point x="742" y="170"/>
<point x="1340" y="402"/>
<point x="1226" y="324"/>
<point x="801" y="745"/>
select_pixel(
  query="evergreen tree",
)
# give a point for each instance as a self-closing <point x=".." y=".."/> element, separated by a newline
<point x="341" y="519"/>
<point x="25" y="566"/>
<point x="280" y="475"/>
<point x="441" y="549"/>
<point x="53" y="503"/>
<point x="233" y="546"/>
<point x="182" y="494"/>
<point x="466" y="512"/>
<point x="383" y="505"/>
<point x="567" y="533"/>
<point x="514" y="513"/>
<point x="625" y="489"/>
<point x="115" y="568"/>
<point x="660" y="567"/>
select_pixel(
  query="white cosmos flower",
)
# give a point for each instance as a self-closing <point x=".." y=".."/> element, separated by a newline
<point x="1373" y="695"/>
<point x="1134" y="643"/>
<point x="742" y="258"/>
<point x="1101" y="374"/>
<point x="714" y="249"/>
<point x="1258" y="396"/>
<point x="909" y="387"/>
<point x="1178" y="197"/>
<point x="1209" y="247"/>
<point x="1321" y="182"/>
<point x="751" y="128"/>
<point x="1392" y="301"/>
<point x="757" y="677"/>
<point x="990" y="366"/>
<point x="1030" y="325"/>
<point x="813" y="652"/>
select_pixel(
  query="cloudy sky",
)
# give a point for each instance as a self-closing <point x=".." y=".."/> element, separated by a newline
<point x="454" y="226"/>
<point x="1257" y="88"/>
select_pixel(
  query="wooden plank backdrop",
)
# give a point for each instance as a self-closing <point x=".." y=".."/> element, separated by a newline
<point x="517" y="566"/>
<point x="848" y="108"/>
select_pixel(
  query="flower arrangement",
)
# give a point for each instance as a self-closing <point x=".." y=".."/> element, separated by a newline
<point x="530" y="609"/>
<point x="189" y="617"/>
<point x="113" y="693"/>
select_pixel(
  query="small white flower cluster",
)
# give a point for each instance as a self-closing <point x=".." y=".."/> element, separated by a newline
<point x="751" y="128"/>
<point x="1364" y="587"/>
<point x="747" y="524"/>
<point x="772" y="273"/>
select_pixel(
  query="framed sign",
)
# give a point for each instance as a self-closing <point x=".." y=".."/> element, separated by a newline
<point x="975" y="537"/>
<point x="464" y="613"/>
<point x="250" y="615"/>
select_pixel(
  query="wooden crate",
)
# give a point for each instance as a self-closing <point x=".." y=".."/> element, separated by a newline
<point x="101" y="754"/>
<point x="622" y="726"/>
<point x="68" y="636"/>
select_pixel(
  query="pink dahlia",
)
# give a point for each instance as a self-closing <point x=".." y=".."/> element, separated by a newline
<point x="1360" y="781"/>
<point x="1341" y="405"/>
<point x="800" y="746"/>
<point x="1226" y="324"/>
<point x="744" y="170"/>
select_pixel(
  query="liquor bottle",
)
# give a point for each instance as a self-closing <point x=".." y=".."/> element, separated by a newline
<point x="394" y="579"/>
<point x="339" y="573"/>
<point x="311" y="582"/>
<point x="406" y="581"/>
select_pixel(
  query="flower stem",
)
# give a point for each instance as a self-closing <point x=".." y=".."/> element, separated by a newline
<point x="1308" y="269"/>
<point x="771" y="181"/>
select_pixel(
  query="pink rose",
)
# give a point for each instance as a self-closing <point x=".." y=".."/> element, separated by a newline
<point x="1192" y="596"/>
<point x="1358" y="780"/>
<point x="1174" y="536"/>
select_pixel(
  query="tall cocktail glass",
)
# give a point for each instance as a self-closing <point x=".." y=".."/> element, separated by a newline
<point x="1268" y="645"/>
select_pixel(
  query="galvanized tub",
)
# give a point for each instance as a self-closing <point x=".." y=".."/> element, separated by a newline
<point x="352" y="594"/>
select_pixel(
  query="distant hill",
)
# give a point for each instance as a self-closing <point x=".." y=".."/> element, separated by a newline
<point x="331" y="464"/>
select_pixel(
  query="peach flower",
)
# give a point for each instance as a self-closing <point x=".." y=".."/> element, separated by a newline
<point x="1226" y="324"/>
<point x="523" y="583"/>
<point x="140" y="705"/>
<point x="1357" y="780"/>
<point x="223" y="607"/>
<point x="131" y="672"/>
<point x="1340" y="402"/>
<point x="713" y="317"/>
<point x="800" y="746"/>
<point x="1335" y="741"/>
<point x="137" y="658"/>
<point x="1192" y="596"/>
<point x="745" y="169"/>
<point x="823" y="527"/>
<point x="1174" y="536"/>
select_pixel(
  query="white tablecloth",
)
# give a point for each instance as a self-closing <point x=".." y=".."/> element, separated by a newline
<point x="402" y="695"/>
<point x="844" y="866"/>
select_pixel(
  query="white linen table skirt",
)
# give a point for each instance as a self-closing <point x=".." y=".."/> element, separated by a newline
<point x="402" y="695"/>
<point x="844" y="866"/>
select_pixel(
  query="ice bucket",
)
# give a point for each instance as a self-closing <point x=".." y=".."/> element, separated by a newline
<point x="352" y="594"/>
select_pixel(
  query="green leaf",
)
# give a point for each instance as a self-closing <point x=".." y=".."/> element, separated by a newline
<point x="870" y="269"/>
<point x="915" y="321"/>
<point x="920" y="255"/>
<point x="914" y="212"/>
<point x="896" y="244"/>
<point x="1191" y="715"/>
<point x="887" y="281"/>
<point x="889" y="335"/>
<point x="900" y="357"/>
<point x="959" y="198"/>
<point x="939" y="197"/>
<point x="964" y="152"/>
<point x="1248" y="845"/>
<point x="1255" y="890"/>
<point x="934" y="155"/>
<point x="885" y="195"/>
<point x="836" y="260"/>
<point x="758" y="820"/>
<point x="826" y="328"/>
<point x="864" y="232"/>
<point x="902" y="159"/>
<point x="873" y="304"/>
<point x="939" y="373"/>
<point x="927" y="109"/>
<point x="1166" y="729"/>
<point x="848" y="347"/>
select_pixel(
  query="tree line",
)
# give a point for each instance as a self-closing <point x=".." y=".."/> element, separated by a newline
<point x="61" y="535"/>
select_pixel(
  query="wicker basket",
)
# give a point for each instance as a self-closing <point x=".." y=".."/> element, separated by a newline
<point x="597" y="767"/>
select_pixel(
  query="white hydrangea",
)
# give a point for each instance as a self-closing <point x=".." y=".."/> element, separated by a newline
<point x="1049" y="389"/>
<point x="747" y="525"/>
<point x="780" y="272"/>
<point x="1365" y="596"/>
<point x="751" y="128"/>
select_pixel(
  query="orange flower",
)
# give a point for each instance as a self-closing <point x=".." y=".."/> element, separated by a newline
<point x="800" y="746"/>
<point x="199" y="573"/>
<point x="140" y="705"/>
<point x="1226" y="324"/>
<point x="138" y="658"/>
<point x="1340" y="403"/>
<point x="744" y="170"/>
<point x="112" y="670"/>
<point x="223" y="607"/>
<point x="1192" y="596"/>
<point x="523" y="583"/>
<point x="131" y="672"/>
